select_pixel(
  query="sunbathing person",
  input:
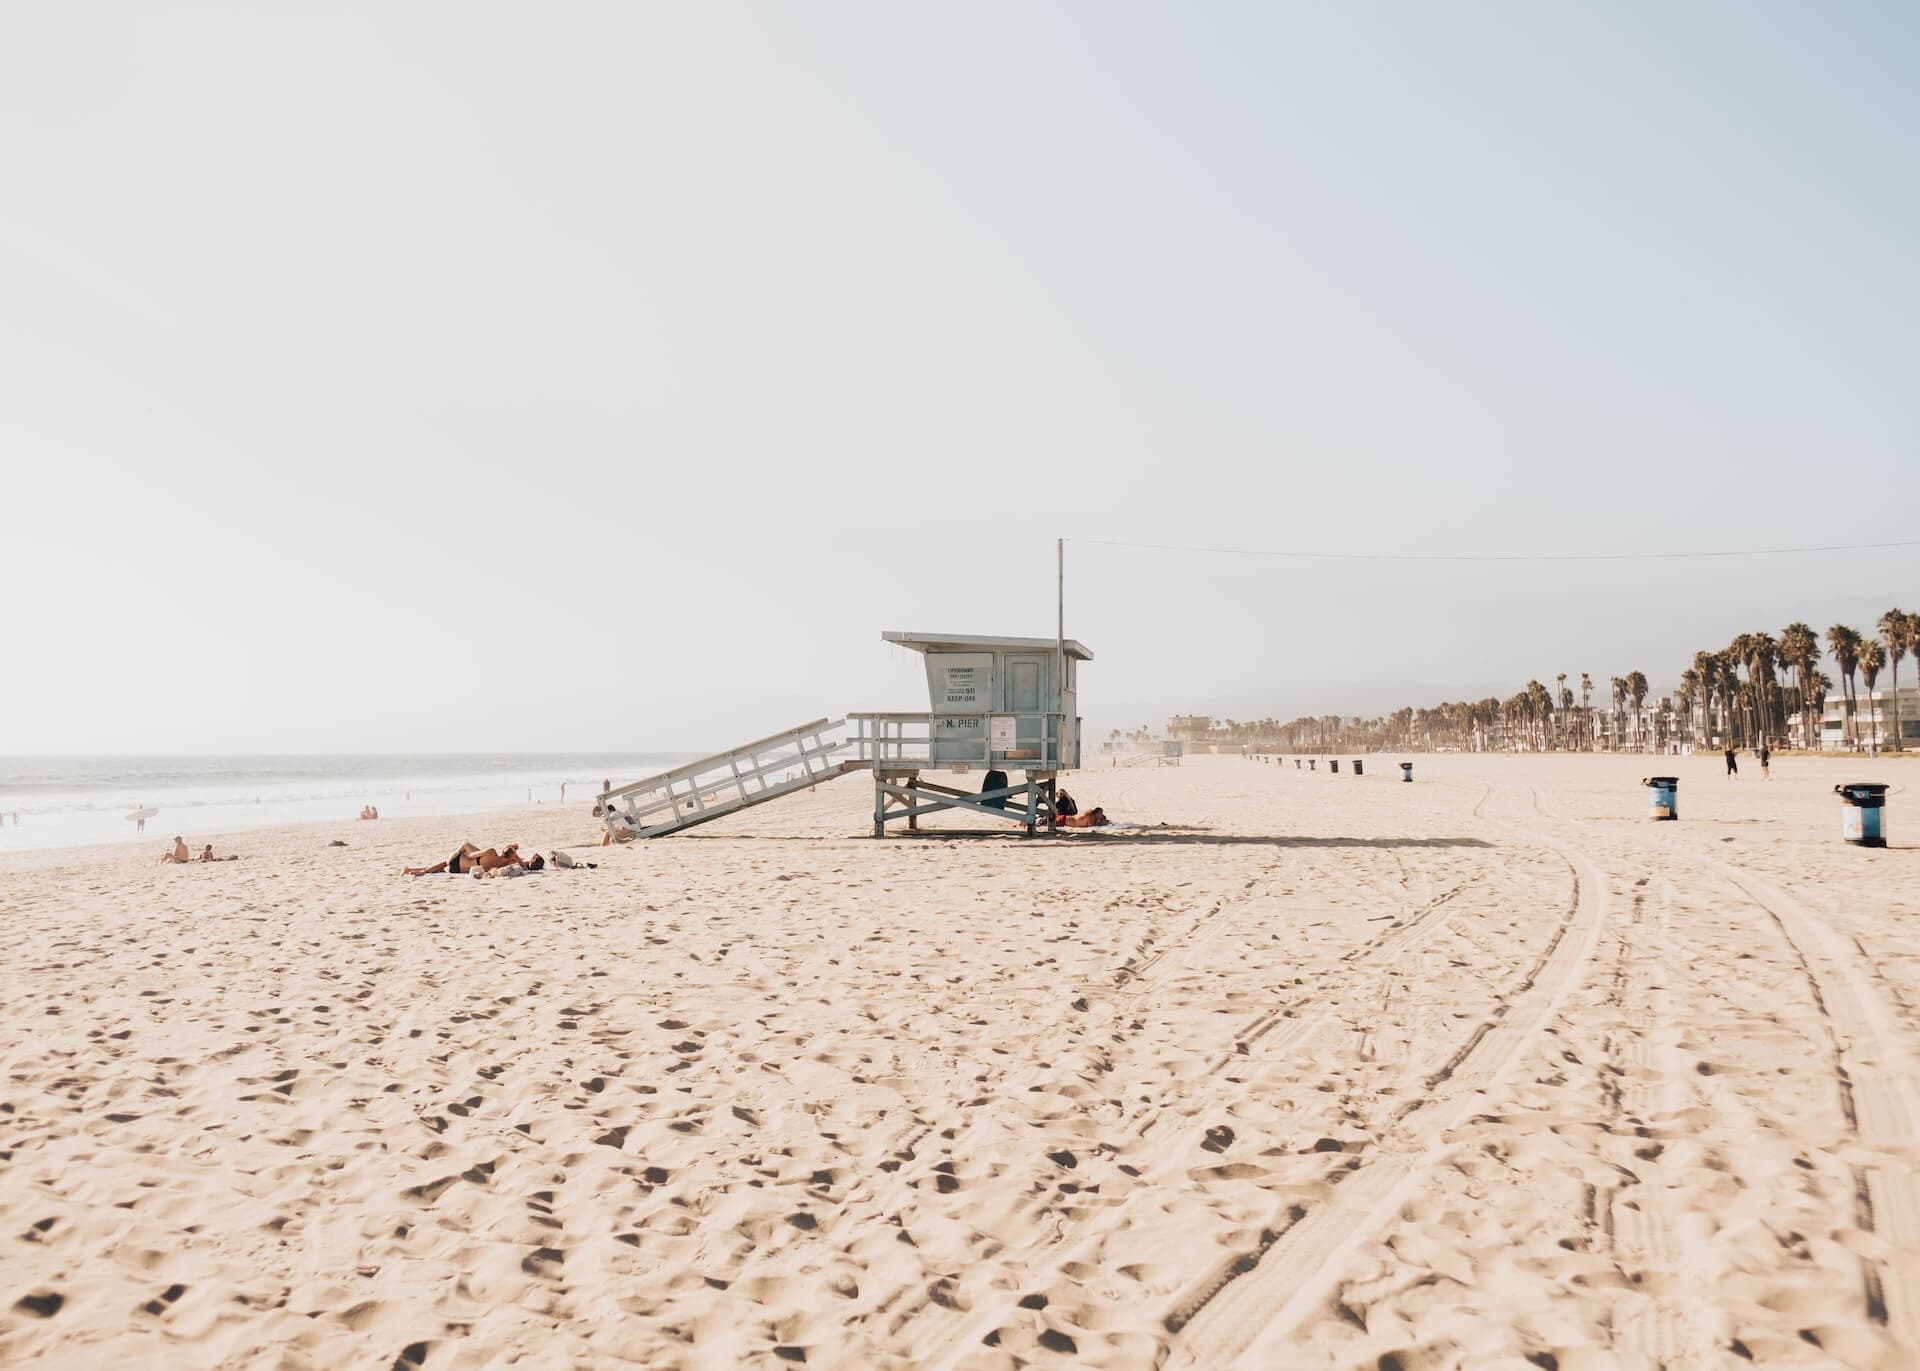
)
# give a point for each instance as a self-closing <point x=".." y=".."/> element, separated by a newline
<point x="519" y="866"/>
<point x="492" y="857"/>
<point x="457" y="863"/>
<point x="206" y="855"/>
<point x="179" y="853"/>
<point x="1093" y="818"/>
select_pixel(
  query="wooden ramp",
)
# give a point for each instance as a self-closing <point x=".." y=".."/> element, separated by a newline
<point x="728" y="782"/>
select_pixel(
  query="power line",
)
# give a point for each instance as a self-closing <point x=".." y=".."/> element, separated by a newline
<point x="1494" y="556"/>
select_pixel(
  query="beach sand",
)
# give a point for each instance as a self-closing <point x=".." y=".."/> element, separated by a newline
<point x="1486" y="1071"/>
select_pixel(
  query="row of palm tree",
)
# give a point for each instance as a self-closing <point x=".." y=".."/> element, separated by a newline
<point x="1743" y="695"/>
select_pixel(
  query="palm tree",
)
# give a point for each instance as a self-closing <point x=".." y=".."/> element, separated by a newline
<point x="1872" y="657"/>
<point x="1766" y="656"/>
<point x="1541" y="705"/>
<point x="1844" y="644"/>
<point x="1898" y="630"/>
<point x="1637" y="688"/>
<point x="1800" y="649"/>
<point x="1739" y="653"/>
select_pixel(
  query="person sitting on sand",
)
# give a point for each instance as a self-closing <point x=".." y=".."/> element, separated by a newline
<point x="206" y="855"/>
<point x="179" y="853"/>
<point x="1093" y="818"/>
<point x="454" y="865"/>
<point x="620" y="828"/>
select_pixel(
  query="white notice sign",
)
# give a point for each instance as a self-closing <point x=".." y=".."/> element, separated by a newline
<point x="1000" y="733"/>
<point x="960" y="682"/>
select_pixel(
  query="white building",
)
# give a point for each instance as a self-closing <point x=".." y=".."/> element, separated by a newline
<point x="1870" y="712"/>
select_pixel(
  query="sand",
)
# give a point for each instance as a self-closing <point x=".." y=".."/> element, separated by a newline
<point x="1486" y="1070"/>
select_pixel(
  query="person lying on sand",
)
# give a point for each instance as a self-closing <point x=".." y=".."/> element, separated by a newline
<point x="1093" y="818"/>
<point x="517" y="867"/>
<point x="206" y="855"/>
<point x="493" y="857"/>
<point x="455" y="864"/>
<point x="179" y="853"/>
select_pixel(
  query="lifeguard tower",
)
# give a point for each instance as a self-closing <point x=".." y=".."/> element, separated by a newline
<point x="995" y="706"/>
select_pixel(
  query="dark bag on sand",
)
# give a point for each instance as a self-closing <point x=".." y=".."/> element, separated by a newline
<point x="995" y="780"/>
<point x="1064" y="806"/>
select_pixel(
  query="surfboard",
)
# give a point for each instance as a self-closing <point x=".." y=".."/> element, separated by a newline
<point x="143" y="813"/>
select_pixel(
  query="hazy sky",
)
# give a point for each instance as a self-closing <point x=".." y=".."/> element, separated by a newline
<point x="572" y="376"/>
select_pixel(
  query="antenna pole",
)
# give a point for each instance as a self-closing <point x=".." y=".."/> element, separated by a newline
<point x="1060" y="635"/>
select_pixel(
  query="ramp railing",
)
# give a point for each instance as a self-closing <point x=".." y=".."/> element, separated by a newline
<point x="728" y="782"/>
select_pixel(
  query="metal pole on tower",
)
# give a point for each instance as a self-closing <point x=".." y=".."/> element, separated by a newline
<point x="1060" y="637"/>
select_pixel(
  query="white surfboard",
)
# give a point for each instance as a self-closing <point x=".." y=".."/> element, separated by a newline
<point x="143" y="813"/>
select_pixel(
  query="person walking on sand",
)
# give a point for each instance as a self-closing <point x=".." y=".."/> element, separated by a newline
<point x="1765" y="759"/>
<point x="1733" y="767"/>
<point x="140" y="826"/>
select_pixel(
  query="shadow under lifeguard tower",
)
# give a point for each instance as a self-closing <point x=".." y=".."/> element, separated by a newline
<point x="995" y="706"/>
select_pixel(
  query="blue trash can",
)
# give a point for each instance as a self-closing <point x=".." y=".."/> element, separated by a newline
<point x="1662" y="800"/>
<point x="1862" y="817"/>
<point x="1406" y="771"/>
<point x="1359" y="768"/>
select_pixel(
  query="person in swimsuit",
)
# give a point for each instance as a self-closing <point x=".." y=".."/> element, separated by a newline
<point x="454" y="865"/>
<point x="179" y="853"/>
<point x="1093" y="818"/>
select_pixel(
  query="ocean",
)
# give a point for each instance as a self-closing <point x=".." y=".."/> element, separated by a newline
<point x="67" y="801"/>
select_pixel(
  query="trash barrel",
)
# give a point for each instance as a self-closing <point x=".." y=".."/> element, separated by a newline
<point x="1333" y="765"/>
<point x="1662" y="802"/>
<point x="1358" y="768"/>
<point x="1296" y="763"/>
<point x="1862" y="817"/>
<point x="1406" y="771"/>
<point x="1313" y="763"/>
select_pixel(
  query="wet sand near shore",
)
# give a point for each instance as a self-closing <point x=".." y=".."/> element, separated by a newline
<point x="1328" y="1071"/>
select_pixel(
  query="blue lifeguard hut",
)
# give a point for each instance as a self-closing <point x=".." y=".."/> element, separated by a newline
<point x="996" y="706"/>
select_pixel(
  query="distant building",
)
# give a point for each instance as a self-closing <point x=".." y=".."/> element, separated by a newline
<point x="1871" y="711"/>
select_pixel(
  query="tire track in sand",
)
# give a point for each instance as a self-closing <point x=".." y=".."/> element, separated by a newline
<point x="1874" y="1077"/>
<point x="1244" y="1310"/>
<point x="940" y="1335"/>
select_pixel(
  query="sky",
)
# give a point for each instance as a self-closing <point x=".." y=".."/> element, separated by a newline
<point x="468" y="376"/>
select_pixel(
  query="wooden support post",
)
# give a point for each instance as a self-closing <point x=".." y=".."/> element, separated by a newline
<point x="913" y="801"/>
<point x="879" y="806"/>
